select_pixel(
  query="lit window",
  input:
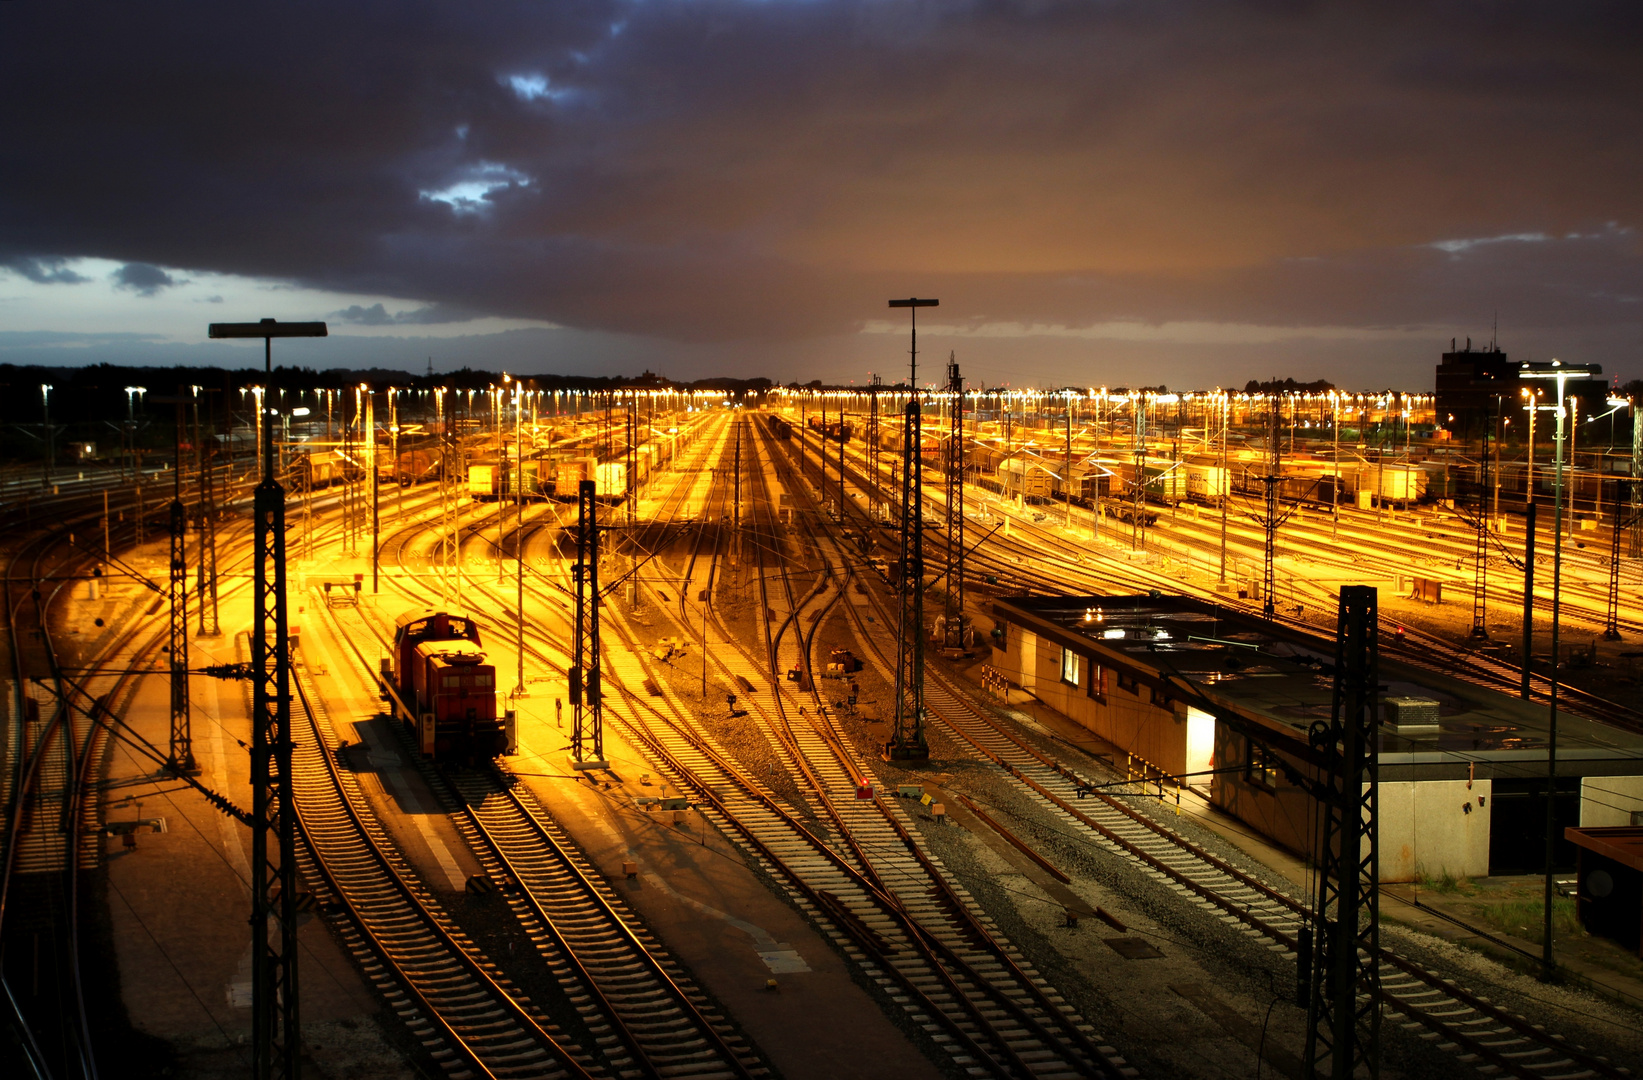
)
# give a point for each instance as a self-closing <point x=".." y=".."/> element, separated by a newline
<point x="1262" y="767"/>
<point x="1071" y="667"/>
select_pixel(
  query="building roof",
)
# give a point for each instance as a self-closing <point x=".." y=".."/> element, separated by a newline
<point x="1280" y="677"/>
<point x="1623" y="844"/>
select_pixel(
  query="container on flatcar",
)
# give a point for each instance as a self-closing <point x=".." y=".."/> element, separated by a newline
<point x="611" y="480"/>
<point x="483" y="481"/>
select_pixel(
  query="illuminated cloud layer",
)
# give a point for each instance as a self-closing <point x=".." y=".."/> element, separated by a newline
<point x="730" y="178"/>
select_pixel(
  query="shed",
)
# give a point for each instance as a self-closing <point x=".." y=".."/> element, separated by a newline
<point x="1610" y="901"/>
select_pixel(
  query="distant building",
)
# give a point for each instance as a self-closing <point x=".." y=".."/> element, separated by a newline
<point x="1475" y="385"/>
<point x="1469" y="382"/>
<point x="1228" y="701"/>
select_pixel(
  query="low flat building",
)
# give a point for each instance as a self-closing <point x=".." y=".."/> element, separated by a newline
<point x="1225" y="700"/>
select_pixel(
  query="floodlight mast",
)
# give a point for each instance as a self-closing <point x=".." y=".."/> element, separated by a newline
<point x="1562" y="374"/>
<point x="276" y="1034"/>
<point x="907" y="742"/>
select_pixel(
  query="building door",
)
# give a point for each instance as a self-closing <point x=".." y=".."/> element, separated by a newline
<point x="1517" y="825"/>
<point x="1200" y="747"/>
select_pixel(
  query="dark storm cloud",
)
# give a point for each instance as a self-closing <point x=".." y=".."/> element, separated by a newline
<point x="44" y="271"/>
<point x="377" y="315"/>
<point x="144" y="279"/>
<point x="716" y="170"/>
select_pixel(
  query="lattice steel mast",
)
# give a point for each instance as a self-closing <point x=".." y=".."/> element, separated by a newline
<point x="275" y="1032"/>
<point x="1624" y="520"/>
<point x="875" y="502"/>
<point x="586" y="700"/>
<point x="907" y="738"/>
<point x="1480" y="525"/>
<point x="1344" y="1010"/>
<point x="181" y="757"/>
<point x="954" y="636"/>
<point x="207" y="583"/>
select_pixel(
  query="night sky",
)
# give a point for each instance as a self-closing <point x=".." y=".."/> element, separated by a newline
<point x="1099" y="192"/>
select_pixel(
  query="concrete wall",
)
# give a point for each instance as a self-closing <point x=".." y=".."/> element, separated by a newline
<point x="1282" y="812"/>
<point x="1434" y="827"/>
<point x="1610" y="800"/>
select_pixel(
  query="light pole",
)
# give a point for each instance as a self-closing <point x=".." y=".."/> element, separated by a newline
<point x="276" y="1035"/>
<point x="1562" y="374"/>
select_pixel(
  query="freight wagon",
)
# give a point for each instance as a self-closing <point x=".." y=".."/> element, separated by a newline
<point x="322" y="468"/>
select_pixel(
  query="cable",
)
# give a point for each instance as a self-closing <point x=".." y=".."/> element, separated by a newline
<point x="1260" y="1051"/>
<point x="172" y="963"/>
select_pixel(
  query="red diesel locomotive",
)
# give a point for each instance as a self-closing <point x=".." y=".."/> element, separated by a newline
<point x="443" y="689"/>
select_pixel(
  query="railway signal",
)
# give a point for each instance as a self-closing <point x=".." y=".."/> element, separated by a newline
<point x="275" y="1032"/>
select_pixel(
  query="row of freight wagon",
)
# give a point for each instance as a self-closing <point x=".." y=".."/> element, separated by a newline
<point x="485" y="479"/>
<point x="546" y="479"/>
<point x="1172" y="482"/>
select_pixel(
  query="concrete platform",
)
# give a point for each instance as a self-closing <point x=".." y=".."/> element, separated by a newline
<point x="179" y="901"/>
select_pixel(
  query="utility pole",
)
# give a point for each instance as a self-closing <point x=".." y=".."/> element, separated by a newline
<point x="1625" y="517"/>
<point x="907" y="742"/>
<point x="1270" y="518"/>
<point x="276" y="1035"/>
<point x="1344" y="1006"/>
<point x="1562" y="374"/>
<point x="588" y="735"/>
<point x="736" y="501"/>
<point x="633" y="453"/>
<point x="1226" y="477"/>
<point x="1067" y="460"/>
<point x="206" y="586"/>
<point x="874" y="502"/>
<point x="376" y="488"/>
<point x="1480" y="525"/>
<point x="519" y="541"/>
<point x="954" y="635"/>
<point x="1636" y="549"/>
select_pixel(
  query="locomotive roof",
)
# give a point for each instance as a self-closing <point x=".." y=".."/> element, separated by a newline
<point x="451" y="650"/>
<point x="420" y="614"/>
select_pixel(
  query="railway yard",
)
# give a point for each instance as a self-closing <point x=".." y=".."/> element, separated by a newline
<point x="729" y="876"/>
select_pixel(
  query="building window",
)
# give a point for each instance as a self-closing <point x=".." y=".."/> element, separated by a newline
<point x="1071" y="665"/>
<point x="1098" y="682"/>
<point x="1128" y="684"/>
<point x="1261" y="766"/>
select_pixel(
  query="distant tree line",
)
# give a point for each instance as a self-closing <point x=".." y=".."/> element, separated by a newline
<point x="1282" y="386"/>
<point x="89" y="403"/>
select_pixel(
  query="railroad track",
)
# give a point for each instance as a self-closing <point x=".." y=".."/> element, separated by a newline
<point x="639" y="1006"/>
<point x="986" y="1027"/>
<point x="874" y="879"/>
<point x="460" y="1007"/>
<point x="1494" y="1039"/>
